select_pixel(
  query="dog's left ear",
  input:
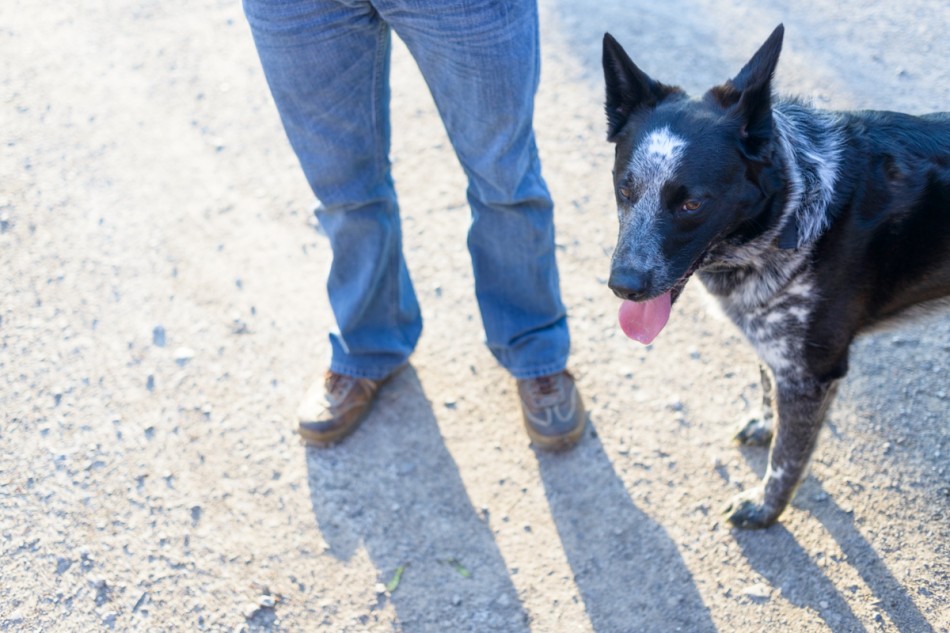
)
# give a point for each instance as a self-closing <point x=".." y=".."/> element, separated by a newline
<point x="628" y="88"/>
<point x="749" y="95"/>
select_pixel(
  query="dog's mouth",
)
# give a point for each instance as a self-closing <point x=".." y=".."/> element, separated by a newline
<point x="643" y="320"/>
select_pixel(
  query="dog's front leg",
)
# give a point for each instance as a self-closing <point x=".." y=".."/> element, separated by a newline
<point x="758" y="431"/>
<point x="801" y="408"/>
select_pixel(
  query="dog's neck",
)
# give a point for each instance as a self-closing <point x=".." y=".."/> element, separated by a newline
<point x="809" y="152"/>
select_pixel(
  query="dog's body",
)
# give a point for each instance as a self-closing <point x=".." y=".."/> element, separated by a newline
<point x="808" y="227"/>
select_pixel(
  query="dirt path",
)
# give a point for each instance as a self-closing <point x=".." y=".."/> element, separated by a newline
<point x="162" y="309"/>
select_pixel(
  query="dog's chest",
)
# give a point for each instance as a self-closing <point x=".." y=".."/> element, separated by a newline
<point x="771" y="301"/>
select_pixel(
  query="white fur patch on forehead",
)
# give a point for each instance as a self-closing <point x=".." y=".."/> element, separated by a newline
<point x="664" y="143"/>
<point x="658" y="155"/>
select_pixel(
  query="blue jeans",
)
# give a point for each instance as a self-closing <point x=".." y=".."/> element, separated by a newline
<point x="327" y="65"/>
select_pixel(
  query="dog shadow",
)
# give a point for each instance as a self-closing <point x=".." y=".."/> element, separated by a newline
<point x="394" y="489"/>
<point x="891" y="595"/>
<point x="621" y="558"/>
<point x="776" y="555"/>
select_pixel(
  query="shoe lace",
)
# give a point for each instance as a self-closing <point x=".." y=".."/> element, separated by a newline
<point x="335" y="383"/>
<point x="544" y="386"/>
<point x="544" y="391"/>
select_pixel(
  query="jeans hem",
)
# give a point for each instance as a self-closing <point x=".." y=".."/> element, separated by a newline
<point x="526" y="373"/>
<point x="371" y="373"/>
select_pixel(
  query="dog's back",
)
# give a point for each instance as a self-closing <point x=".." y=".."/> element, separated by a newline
<point x="888" y="243"/>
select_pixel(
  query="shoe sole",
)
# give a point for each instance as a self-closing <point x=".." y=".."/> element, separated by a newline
<point x="323" y="440"/>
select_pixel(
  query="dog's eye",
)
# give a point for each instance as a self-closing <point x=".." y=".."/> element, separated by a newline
<point x="692" y="205"/>
<point x="625" y="193"/>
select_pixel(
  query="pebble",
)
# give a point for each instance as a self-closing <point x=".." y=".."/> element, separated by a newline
<point x="267" y="601"/>
<point x="759" y="591"/>
<point x="183" y="355"/>
<point x="109" y="619"/>
<point x="158" y="336"/>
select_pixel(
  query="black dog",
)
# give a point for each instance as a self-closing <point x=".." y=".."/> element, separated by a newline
<point x="807" y="226"/>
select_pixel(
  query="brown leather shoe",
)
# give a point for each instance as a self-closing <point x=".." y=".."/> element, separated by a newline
<point x="553" y="411"/>
<point x="332" y="410"/>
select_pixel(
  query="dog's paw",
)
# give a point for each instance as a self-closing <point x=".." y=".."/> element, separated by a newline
<point x="748" y="510"/>
<point x="754" y="432"/>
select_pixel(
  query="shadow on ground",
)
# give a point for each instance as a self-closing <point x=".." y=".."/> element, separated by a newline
<point x="394" y="489"/>
<point x="627" y="568"/>
<point x="776" y="554"/>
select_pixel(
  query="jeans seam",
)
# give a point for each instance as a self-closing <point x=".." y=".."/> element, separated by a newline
<point x="381" y="153"/>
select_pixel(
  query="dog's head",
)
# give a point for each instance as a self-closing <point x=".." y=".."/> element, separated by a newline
<point x="689" y="174"/>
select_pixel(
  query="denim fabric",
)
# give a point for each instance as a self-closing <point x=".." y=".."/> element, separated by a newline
<point x="327" y="65"/>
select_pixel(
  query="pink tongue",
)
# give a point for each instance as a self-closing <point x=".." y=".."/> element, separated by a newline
<point x="643" y="320"/>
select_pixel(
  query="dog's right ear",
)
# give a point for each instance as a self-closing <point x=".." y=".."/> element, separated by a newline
<point x="628" y="88"/>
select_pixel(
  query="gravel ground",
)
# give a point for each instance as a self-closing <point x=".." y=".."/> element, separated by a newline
<point x="162" y="309"/>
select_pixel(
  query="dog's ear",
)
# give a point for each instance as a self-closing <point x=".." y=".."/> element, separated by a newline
<point x="749" y="95"/>
<point x="628" y="88"/>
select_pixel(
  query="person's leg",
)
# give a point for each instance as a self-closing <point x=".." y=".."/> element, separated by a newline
<point x="481" y="59"/>
<point x="481" y="62"/>
<point x="327" y="65"/>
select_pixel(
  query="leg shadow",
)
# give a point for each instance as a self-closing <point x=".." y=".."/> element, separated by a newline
<point x="891" y="596"/>
<point x="627" y="568"/>
<point x="394" y="488"/>
<point x="776" y="555"/>
<point x="779" y="558"/>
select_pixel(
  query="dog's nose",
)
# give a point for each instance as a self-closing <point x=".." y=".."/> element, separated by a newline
<point x="629" y="283"/>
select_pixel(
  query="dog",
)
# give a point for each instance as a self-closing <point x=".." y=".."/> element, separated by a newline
<point x="808" y="227"/>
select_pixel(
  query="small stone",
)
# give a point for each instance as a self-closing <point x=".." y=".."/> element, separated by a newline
<point x="183" y="355"/>
<point x="158" y="336"/>
<point x="456" y="601"/>
<point x="267" y="601"/>
<point x="109" y="619"/>
<point x="150" y="382"/>
<point x="380" y="588"/>
<point x="62" y="565"/>
<point x="758" y="591"/>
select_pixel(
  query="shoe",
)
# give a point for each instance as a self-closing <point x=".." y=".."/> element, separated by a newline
<point x="553" y="411"/>
<point x="331" y="411"/>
